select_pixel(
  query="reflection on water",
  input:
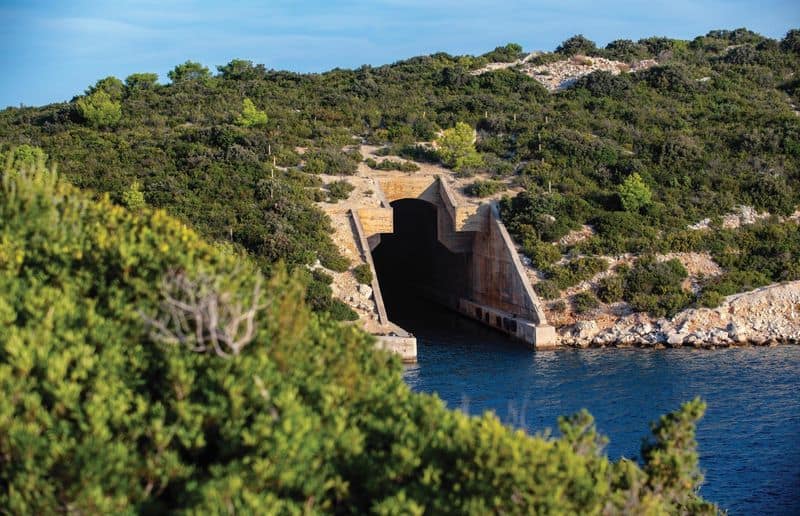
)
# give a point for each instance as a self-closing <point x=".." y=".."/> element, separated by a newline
<point x="749" y="440"/>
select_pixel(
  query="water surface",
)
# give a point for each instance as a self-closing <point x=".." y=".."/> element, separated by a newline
<point x="749" y="440"/>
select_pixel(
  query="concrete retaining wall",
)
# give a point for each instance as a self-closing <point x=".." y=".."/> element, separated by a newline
<point x="406" y="347"/>
<point x="540" y="336"/>
<point x="498" y="278"/>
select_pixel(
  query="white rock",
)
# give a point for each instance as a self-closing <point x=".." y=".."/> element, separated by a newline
<point x="365" y="291"/>
<point x="676" y="339"/>
<point x="585" y="330"/>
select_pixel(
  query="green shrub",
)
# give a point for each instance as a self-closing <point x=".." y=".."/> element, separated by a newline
<point x="189" y="71"/>
<point x="547" y="289"/>
<point x="484" y="188"/>
<point x="469" y="164"/>
<point x="339" y="190"/>
<point x="133" y="198"/>
<point x="634" y="193"/>
<point x="575" y="271"/>
<point x="341" y="311"/>
<point x="419" y="153"/>
<point x="577" y="44"/>
<point x="331" y="161"/>
<point x="388" y="164"/>
<point x="331" y="259"/>
<point x="551" y="216"/>
<point x="457" y="147"/>
<point x="141" y="81"/>
<point x="505" y="54"/>
<point x="25" y="158"/>
<point x="655" y="287"/>
<point x="660" y="305"/>
<point x="736" y="281"/>
<point x="251" y="116"/>
<point x="649" y="276"/>
<point x="99" y="110"/>
<point x="541" y="254"/>
<point x="710" y="299"/>
<point x="611" y="289"/>
<point x="583" y="302"/>
<point x="363" y="273"/>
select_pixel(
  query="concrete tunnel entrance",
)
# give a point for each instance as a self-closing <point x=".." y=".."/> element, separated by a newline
<point x="413" y="267"/>
<point x="429" y="250"/>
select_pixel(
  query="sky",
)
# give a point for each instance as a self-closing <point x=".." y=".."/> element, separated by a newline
<point x="53" y="50"/>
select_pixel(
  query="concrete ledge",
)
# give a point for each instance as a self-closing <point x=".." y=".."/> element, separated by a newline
<point x="366" y="253"/>
<point x="376" y="220"/>
<point x="539" y="336"/>
<point x="406" y="347"/>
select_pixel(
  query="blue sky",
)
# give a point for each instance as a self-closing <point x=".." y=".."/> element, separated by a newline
<point x="52" y="50"/>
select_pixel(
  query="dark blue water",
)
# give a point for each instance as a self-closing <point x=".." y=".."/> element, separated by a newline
<point x="749" y="439"/>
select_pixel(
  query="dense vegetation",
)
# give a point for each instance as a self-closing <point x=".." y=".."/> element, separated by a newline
<point x="638" y="156"/>
<point x="120" y="393"/>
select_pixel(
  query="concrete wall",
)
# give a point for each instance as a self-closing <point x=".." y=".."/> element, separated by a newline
<point x="363" y="245"/>
<point x="376" y="220"/>
<point x="406" y="347"/>
<point x="498" y="278"/>
<point x="541" y="336"/>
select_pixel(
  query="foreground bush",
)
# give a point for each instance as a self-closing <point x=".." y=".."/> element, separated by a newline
<point x="109" y="405"/>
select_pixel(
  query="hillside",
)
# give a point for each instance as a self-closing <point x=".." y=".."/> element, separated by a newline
<point x="145" y="371"/>
<point x="632" y="159"/>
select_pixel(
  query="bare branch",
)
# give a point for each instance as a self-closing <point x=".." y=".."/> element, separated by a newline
<point x="198" y="315"/>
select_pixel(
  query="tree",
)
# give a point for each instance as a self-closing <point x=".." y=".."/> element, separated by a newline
<point x="625" y="50"/>
<point x="133" y="197"/>
<point x="251" y="116"/>
<point x="141" y="81"/>
<point x="603" y="83"/>
<point x="456" y="147"/>
<point x="671" y="463"/>
<point x="791" y="42"/>
<point x="577" y="45"/>
<point x="242" y="70"/>
<point x="25" y="157"/>
<point x="188" y="71"/>
<point x="99" y="109"/>
<point x="634" y="193"/>
<point x="506" y="54"/>
<point x="110" y="85"/>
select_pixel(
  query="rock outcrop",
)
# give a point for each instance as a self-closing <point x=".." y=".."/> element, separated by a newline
<point x="766" y="316"/>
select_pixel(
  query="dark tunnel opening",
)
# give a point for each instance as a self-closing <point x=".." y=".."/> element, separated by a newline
<point x="419" y="277"/>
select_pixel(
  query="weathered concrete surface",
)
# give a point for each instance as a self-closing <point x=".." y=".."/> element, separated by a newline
<point x="365" y="252"/>
<point x="376" y="220"/>
<point x="499" y="279"/>
<point x="482" y="271"/>
<point x="406" y="347"/>
<point x="541" y="336"/>
<point x="392" y="337"/>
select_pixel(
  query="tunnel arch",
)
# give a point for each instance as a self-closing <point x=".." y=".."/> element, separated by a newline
<point x="412" y="262"/>
<point x="423" y="242"/>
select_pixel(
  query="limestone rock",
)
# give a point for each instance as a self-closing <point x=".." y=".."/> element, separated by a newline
<point x="365" y="291"/>
<point x="585" y="330"/>
<point x="676" y="339"/>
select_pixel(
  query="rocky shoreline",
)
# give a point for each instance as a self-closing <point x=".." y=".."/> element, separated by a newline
<point x="763" y="317"/>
